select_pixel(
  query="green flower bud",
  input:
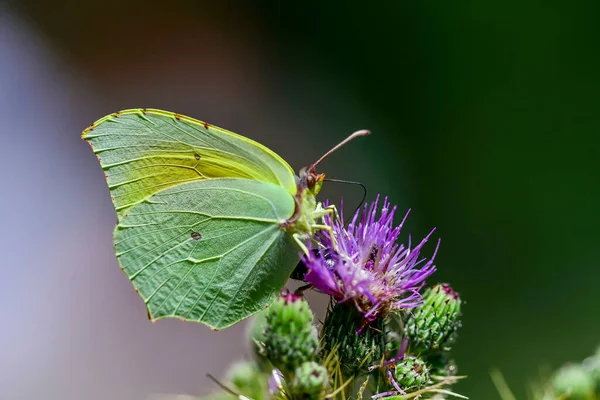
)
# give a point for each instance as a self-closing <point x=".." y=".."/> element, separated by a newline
<point x="310" y="381"/>
<point x="573" y="381"/>
<point x="247" y="379"/>
<point x="433" y="325"/>
<point x="356" y="351"/>
<point x="411" y="373"/>
<point x="290" y="337"/>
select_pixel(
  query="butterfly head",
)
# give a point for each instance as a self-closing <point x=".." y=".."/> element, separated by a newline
<point x="308" y="176"/>
<point x="310" y="180"/>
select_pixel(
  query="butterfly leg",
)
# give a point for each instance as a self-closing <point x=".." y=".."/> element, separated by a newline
<point x="330" y="211"/>
<point x="329" y="230"/>
<point x="297" y="237"/>
<point x="321" y="212"/>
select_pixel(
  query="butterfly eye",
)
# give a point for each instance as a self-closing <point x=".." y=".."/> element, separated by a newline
<point x="310" y="181"/>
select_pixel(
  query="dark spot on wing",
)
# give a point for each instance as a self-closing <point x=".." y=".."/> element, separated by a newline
<point x="206" y="125"/>
<point x="196" y="236"/>
<point x="145" y="111"/>
<point x="178" y="117"/>
<point x="197" y="156"/>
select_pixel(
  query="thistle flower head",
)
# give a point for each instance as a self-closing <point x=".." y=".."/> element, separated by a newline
<point x="356" y="353"/>
<point x="363" y="263"/>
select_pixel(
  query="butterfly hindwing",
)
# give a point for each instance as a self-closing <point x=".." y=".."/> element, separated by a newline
<point x="143" y="151"/>
<point x="210" y="251"/>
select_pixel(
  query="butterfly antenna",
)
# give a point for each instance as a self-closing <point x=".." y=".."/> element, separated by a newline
<point x="362" y="132"/>
<point x="362" y="201"/>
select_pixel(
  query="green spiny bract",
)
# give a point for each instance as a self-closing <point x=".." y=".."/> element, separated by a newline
<point x="248" y="379"/>
<point x="574" y="382"/>
<point x="432" y="326"/>
<point x="310" y="382"/>
<point x="355" y="351"/>
<point x="411" y="373"/>
<point x="290" y="337"/>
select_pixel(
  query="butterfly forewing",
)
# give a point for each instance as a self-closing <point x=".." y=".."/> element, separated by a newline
<point x="143" y="151"/>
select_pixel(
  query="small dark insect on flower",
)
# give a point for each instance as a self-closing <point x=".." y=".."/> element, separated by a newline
<point x="365" y="264"/>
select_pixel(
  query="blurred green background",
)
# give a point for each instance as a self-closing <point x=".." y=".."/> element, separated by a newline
<point x="485" y="120"/>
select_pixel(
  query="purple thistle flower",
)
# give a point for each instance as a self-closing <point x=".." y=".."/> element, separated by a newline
<point x="365" y="264"/>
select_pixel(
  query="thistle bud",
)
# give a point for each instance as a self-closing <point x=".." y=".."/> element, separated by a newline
<point x="433" y="325"/>
<point x="310" y="381"/>
<point x="573" y="381"/>
<point x="290" y="337"/>
<point x="248" y="380"/>
<point x="357" y="345"/>
<point x="411" y="373"/>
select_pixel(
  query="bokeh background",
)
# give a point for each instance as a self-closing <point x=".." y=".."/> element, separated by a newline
<point x="486" y="123"/>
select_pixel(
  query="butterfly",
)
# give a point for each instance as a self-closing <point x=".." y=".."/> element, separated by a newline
<point x="210" y="223"/>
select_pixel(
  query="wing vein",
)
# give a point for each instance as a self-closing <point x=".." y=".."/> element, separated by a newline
<point x="217" y="270"/>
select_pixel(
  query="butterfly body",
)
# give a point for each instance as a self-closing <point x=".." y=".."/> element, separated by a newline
<point x="210" y="223"/>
